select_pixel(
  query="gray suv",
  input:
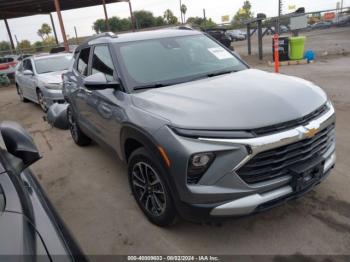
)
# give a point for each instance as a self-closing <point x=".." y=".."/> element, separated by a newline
<point x="204" y="136"/>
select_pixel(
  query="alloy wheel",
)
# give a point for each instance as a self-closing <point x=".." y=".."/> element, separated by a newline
<point x="148" y="188"/>
<point x="42" y="101"/>
<point x="72" y="125"/>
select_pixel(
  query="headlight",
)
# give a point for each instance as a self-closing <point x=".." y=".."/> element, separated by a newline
<point x="198" y="165"/>
<point x="329" y="103"/>
<point x="55" y="86"/>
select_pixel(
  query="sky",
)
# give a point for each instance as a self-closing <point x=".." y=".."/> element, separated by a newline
<point x="83" y="18"/>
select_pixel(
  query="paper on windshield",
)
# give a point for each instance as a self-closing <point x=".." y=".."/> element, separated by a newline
<point x="220" y="53"/>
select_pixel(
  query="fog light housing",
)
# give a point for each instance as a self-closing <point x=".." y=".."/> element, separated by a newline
<point x="198" y="165"/>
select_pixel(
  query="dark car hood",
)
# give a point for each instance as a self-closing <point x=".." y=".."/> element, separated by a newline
<point x="243" y="100"/>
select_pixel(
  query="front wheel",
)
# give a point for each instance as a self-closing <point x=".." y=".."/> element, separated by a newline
<point x="150" y="189"/>
<point x="78" y="136"/>
<point x="41" y="100"/>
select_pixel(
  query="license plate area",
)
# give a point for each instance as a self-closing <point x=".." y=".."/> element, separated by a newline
<point x="306" y="175"/>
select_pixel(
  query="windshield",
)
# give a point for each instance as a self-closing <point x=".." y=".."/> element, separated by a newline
<point x="166" y="61"/>
<point x="52" y="64"/>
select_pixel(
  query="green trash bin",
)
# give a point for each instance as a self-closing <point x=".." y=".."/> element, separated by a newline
<point x="297" y="44"/>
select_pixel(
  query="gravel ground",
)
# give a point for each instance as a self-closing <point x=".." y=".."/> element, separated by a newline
<point x="324" y="42"/>
<point x="89" y="188"/>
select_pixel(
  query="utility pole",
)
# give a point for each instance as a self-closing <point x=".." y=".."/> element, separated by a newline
<point x="54" y="29"/>
<point x="182" y="21"/>
<point x="341" y="6"/>
<point x="76" y="35"/>
<point x="106" y="15"/>
<point x="205" y="19"/>
<point x="277" y="29"/>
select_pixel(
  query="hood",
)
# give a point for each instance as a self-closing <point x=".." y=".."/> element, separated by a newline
<point x="243" y="100"/>
<point x="52" y="77"/>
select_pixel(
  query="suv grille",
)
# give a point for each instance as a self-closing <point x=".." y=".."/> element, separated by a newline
<point x="276" y="162"/>
<point x="293" y="123"/>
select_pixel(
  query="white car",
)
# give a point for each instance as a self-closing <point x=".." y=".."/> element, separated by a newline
<point x="38" y="79"/>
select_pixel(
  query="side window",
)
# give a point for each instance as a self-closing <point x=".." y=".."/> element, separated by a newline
<point x="102" y="62"/>
<point x="82" y="64"/>
<point x="27" y="65"/>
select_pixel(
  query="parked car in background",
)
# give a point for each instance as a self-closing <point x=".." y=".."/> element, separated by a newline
<point x="203" y="135"/>
<point x="322" y="25"/>
<point x="8" y="65"/>
<point x="236" y="35"/>
<point x="31" y="229"/>
<point x="283" y="29"/>
<point x="220" y="34"/>
<point x="39" y="79"/>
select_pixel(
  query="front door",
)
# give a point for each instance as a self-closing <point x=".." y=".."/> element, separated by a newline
<point x="28" y="81"/>
<point x="104" y="109"/>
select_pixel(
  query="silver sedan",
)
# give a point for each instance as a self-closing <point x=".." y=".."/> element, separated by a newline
<point x="38" y="79"/>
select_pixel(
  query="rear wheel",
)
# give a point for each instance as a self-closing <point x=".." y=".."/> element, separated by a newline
<point x="41" y="100"/>
<point x="78" y="136"/>
<point x="20" y="93"/>
<point x="150" y="189"/>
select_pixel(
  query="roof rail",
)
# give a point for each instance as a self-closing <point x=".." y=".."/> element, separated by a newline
<point x="184" y="27"/>
<point x="105" y="34"/>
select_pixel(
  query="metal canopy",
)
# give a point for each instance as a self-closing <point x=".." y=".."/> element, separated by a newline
<point x="19" y="8"/>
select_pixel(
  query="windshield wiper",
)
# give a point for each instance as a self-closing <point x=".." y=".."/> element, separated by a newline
<point x="155" y="85"/>
<point x="221" y="73"/>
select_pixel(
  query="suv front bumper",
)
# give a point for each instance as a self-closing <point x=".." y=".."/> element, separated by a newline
<point x="249" y="204"/>
<point x="221" y="191"/>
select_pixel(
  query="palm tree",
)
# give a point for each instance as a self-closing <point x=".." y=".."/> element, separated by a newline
<point x="169" y="17"/>
<point x="183" y="11"/>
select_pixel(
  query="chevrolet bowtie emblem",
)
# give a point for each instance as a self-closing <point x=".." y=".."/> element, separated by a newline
<point x="311" y="132"/>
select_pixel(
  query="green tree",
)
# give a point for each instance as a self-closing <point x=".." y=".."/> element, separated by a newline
<point x="169" y="17"/>
<point x="44" y="31"/>
<point x="24" y="44"/>
<point x="50" y="41"/>
<point x="160" y="21"/>
<point x="116" y="24"/>
<point x="207" y="24"/>
<point x="4" y="46"/>
<point x="183" y="10"/>
<point x="144" y="19"/>
<point x="38" y="46"/>
<point x="195" y="21"/>
<point x="243" y="14"/>
<point x="99" y="26"/>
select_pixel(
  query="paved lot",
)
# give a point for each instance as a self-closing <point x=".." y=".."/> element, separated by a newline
<point x="89" y="188"/>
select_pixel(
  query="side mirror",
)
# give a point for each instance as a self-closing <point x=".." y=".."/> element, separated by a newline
<point x="99" y="81"/>
<point x="19" y="143"/>
<point x="28" y="72"/>
<point x="57" y="116"/>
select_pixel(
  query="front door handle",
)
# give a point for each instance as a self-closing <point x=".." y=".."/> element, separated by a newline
<point x="87" y="91"/>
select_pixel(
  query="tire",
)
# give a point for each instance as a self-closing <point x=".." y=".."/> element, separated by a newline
<point x="78" y="136"/>
<point x="20" y="93"/>
<point x="41" y="100"/>
<point x="150" y="189"/>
